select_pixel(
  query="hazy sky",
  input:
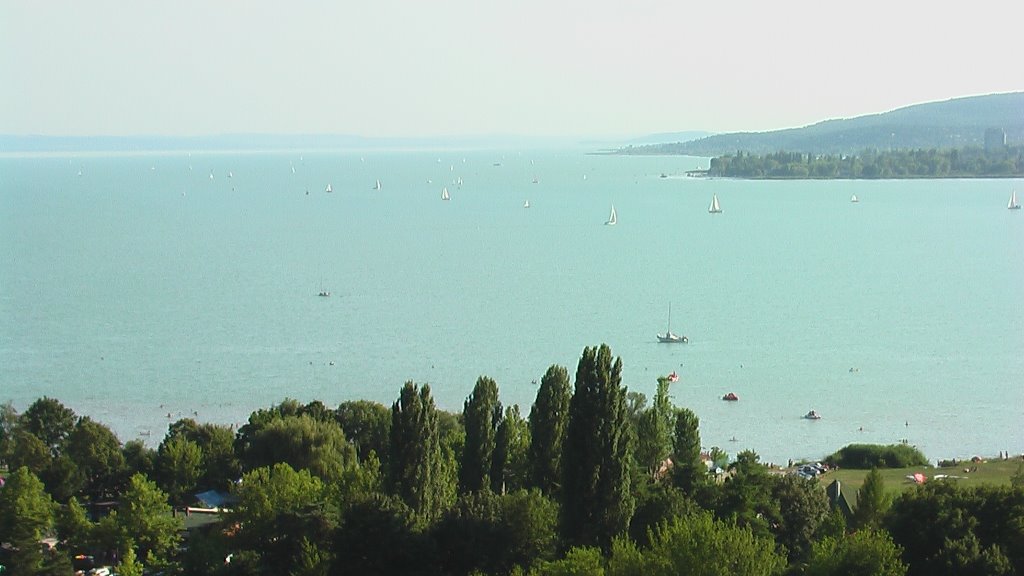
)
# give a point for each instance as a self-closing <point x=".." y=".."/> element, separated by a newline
<point x="456" y="67"/>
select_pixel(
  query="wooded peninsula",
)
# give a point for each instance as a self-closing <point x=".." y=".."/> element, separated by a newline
<point x="1006" y="162"/>
<point x="595" y="481"/>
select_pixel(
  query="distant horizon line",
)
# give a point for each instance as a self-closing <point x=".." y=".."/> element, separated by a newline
<point x="14" y="144"/>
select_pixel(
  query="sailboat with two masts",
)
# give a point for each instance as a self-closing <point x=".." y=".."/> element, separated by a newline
<point x="670" y="337"/>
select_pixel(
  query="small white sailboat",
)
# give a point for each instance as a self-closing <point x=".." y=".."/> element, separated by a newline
<point x="377" y="185"/>
<point x="613" y="218"/>
<point x="526" y="204"/>
<point x="1013" y="204"/>
<point x="444" y="194"/>
<point x="329" y="189"/>
<point x="715" y="207"/>
<point x="854" y="199"/>
<point x="670" y="337"/>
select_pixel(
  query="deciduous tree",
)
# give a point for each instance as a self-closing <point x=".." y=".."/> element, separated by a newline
<point x="481" y="416"/>
<point x="597" y="500"/>
<point x="50" y="421"/>
<point x="872" y="501"/>
<point x="419" y="475"/>
<point x="143" y="517"/>
<point x="548" y="419"/>
<point x="511" y="443"/>
<point x="862" y="553"/>
<point x="26" y="516"/>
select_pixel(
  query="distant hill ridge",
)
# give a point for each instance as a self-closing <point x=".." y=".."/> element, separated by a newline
<point x="954" y="123"/>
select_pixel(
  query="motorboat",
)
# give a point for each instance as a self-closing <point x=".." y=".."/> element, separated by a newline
<point x="812" y="415"/>
<point x="730" y="397"/>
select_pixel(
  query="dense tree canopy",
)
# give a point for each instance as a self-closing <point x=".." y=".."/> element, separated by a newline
<point x="605" y="499"/>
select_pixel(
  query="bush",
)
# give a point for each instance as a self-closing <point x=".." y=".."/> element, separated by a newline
<point x="867" y="456"/>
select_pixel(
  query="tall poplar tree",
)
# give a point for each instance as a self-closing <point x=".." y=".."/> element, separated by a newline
<point x="597" y="502"/>
<point x="481" y="416"/>
<point x="508" y="467"/>
<point x="548" y="419"/>
<point x="418" y="475"/>
<point x="688" y="472"/>
<point x="654" y="431"/>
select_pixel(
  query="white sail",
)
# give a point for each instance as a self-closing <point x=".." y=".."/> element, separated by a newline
<point x="526" y="204"/>
<point x="329" y="189"/>
<point x="377" y="185"/>
<point x="1013" y="204"/>
<point x="854" y="199"/>
<point x="613" y="219"/>
<point x="444" y="194"/>
<point x="715" y="208"/>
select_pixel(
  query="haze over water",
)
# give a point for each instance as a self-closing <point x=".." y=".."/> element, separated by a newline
<point x="142" y="288"/>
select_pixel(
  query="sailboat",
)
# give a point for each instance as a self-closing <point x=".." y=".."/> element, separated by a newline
<point x="377" y="185"/>
<point x="526" y="204"/>
<point x="715" y="208"/>
<point x="445" y="195"/>
<point x="1013" y="204"/>
<point x="329" y="189"/>
<point x="854" y="199"/>
<point x="613" y="219"/>
<point x="669" y="337"/>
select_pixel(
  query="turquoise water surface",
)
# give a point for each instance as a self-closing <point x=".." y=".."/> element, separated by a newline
<point x="143" y="288"/>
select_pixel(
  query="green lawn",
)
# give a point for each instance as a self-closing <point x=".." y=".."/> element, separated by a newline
<point x="992" y="471"/>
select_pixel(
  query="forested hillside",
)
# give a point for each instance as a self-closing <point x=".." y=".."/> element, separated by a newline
<point x="956" y="123"/>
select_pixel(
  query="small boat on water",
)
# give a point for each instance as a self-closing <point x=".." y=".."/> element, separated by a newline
<point x="854" y="199"/>
<point x="715" y="207"/>
<point x="376" y="186"/>
<point x="613" y="219"/>
<point x="812" y="415"/>
<point x="1013" y="204"/>
<point x="329" y="189"/>
<point x="445" y="195"/>
<point x="673" y="377"/>
<point x="526" y="204"/>
<point x="670" y="337"/>
<point x="730" y="397"/>
<point x="324" y="294"/>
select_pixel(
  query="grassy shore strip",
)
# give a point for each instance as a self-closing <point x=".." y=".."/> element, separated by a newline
<point x="989" y="471"/>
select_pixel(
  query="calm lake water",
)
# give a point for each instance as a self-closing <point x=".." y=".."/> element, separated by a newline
<point x="141" y="288"/>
